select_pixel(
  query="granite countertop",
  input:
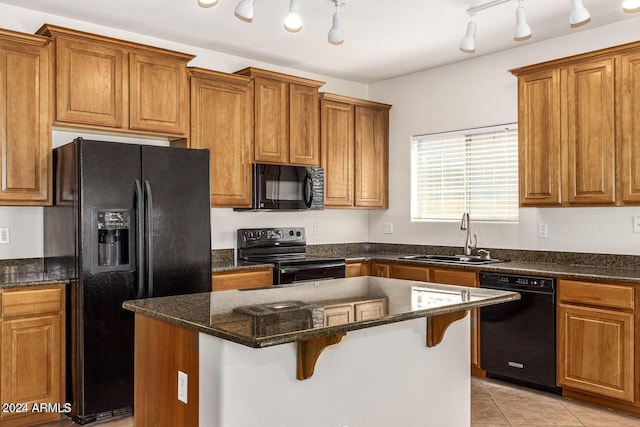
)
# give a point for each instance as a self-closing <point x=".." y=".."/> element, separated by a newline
<point x="213" y="313"/>
<point x="565" y="271"/>
<point x="26" y="279"/>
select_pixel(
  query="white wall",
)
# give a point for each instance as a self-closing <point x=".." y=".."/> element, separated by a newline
<point x="481" y="92"/>
<point x="25" y="223"/>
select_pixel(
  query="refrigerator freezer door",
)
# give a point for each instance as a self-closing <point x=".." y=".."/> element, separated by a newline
<point x="103" y="374"/>
<point x="178" y="180"/>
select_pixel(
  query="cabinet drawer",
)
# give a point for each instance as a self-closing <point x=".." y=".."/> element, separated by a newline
<point x="242" y="279"/>
<point x="33" y="301"/>
<point x="600" y="294"/>
<point x="410" y="272"/>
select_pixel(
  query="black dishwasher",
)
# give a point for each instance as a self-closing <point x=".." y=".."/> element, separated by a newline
<point x="518" y="338"/>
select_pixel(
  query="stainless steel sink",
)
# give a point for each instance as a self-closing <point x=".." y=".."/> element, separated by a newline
<point x="453" y="259"/>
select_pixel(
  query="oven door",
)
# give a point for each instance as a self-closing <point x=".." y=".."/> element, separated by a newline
<point x="288" y="274"/>
<point x="287" y="187"/>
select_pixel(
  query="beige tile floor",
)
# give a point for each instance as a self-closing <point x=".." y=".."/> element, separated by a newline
<point x="495" y="403"/>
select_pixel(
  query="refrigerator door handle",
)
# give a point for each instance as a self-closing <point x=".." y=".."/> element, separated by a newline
<point x="149" y="219"/>
<point x="139" y="238"/>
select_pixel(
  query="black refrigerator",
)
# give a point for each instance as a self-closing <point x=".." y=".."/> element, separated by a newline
<point x="128" y="221"/>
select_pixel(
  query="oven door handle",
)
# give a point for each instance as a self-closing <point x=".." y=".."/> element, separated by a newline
<point x="285" y="270"/>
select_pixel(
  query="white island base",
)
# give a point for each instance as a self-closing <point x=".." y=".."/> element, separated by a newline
<point x="377" y="377"/>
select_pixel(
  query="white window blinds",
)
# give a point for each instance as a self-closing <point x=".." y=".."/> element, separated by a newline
<point x="473" y="171"/>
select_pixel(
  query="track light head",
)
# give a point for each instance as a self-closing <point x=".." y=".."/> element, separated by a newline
<point x="468" y="42"/>
<point x="336" y="35"/>
<point x="579" y="14"/>
<point x="523" y="31"/>
<point x="244" y="10"/>
<point x="293" y="19"/>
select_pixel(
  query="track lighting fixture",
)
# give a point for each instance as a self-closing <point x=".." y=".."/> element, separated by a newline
<point x="523" y="31"/>
<point x="207" y="3"/>
<point x="631" y="6"/>
<point x="336" y="35"/>
<point x="468" y="42"/>
<point x="244" y="10"/>
<point x="579" y="14"/>
<point x="293" y="19"/>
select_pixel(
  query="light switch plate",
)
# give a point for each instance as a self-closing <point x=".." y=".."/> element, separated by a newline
<point x="387" y="228"/>
<point x="636" y="225"/>
<point x="543" y="231"/>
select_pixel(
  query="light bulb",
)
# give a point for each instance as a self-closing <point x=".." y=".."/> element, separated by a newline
<point x="293" y="19"/>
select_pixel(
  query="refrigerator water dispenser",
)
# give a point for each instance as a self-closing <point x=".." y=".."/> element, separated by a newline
<point x="111" y="237"/>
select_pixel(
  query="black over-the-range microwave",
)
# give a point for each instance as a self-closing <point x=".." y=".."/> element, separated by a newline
<point x="285" y="187"/>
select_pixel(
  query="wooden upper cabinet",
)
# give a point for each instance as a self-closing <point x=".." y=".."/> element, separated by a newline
<point x="337" y="142"/>
<point x="629" y="122"/>
<point x="222" y="121"/>
<point x="539" y="135"/>
<point x="593" y="100"/>
<point x="355" y="150"/>
<point x="287" y="118"/>
<point x="25" y="128"/>
<point x="371" y="157"/>
<point x="158" y="93"/>
<point x="591" y="137"/>
<point x="115" y="84"/>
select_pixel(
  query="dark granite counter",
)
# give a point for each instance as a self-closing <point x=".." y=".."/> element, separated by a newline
<point x="615" y="273"/>
<point x="21" y="280"/>
<point x="229" y="265"/>
<point x="213" y="313"/>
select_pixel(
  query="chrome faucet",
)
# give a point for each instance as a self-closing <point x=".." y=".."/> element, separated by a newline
<point x="466" y="225"/>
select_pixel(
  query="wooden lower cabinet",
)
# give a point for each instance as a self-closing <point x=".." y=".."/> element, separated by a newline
<point x="354" y="311"/>
<point x="246" y="279"/>
<point x="597" y="326"/>
<point x="354" y="269"/>
<point x="32" y="355"/>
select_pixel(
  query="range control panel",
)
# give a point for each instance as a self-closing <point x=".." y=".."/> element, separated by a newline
<point x="252" y="237"/>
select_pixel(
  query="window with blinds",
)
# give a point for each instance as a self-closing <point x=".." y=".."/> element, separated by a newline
<point x="473" y="171"/>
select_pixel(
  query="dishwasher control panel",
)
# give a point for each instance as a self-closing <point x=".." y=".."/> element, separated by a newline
<point x="500" y="280"/>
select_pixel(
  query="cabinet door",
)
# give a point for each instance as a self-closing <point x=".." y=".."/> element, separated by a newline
<point x="242" y="279"/>
<point x="337" y="143"/>
<point x="596" y="351"/>
<point x="89" y="83"/>
<point x="31" y="361"/>
<point x="590" y="140"/>
<point x="371" y="154"/>
<point x="338" y="315"/>
<point x="630" y="128"/>
<point x="158" y="94"/>
<point x="370" y="310"/>
<point x="25" y="131"/>
<point x="356" y="269"/>
<point x="380" y="269"/>
<point x="539" y="138"/>
<point x="271" y="120"/>
<point x="304" y="125"/>
<point x="222" y="121"/>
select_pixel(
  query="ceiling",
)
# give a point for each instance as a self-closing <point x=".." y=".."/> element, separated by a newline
<point x="383" y="38"/>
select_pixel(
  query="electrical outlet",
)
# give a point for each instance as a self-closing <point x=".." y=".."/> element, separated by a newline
<point x="387" y="228"/>
<point x="316" y="229"/>
<point x="636" y="226"/>
<point x="543" y="231"/>
<point x="4" y="235"/>
<point x="183" y="384"/>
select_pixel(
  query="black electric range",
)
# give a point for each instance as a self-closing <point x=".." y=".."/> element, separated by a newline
<point x="285" y="248"/>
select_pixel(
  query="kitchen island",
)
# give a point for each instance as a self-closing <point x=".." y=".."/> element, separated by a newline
<point x="253" y="357"/>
